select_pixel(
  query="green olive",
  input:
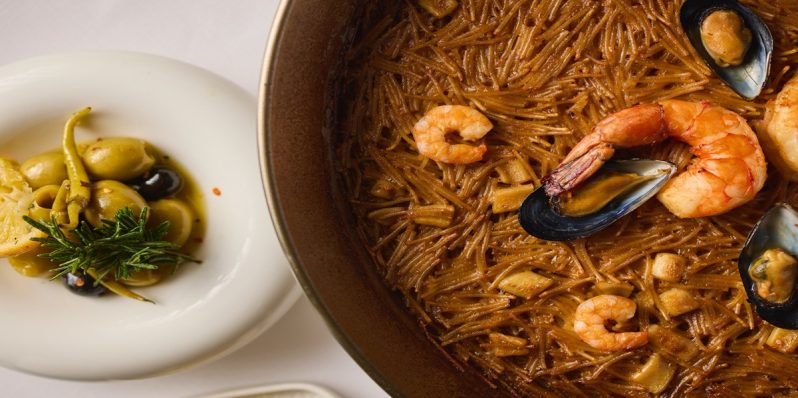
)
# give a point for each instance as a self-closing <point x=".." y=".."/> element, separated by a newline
<point x="118" y="158"/>
<point x="30" y="264"/>
<point x="45" y="169"/>
<point x="108" y="197"/>
<point x="179" y="215"/>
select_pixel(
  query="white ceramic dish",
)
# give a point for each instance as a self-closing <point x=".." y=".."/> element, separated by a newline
<point x="208" y="125"/>
<point x="288" y="390"/>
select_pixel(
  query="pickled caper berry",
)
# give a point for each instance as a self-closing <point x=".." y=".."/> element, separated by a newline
<point x="157" y="183"/>
<point x="82" y="284"/>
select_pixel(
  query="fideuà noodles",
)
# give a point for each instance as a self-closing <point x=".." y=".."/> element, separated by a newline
<point x="544" y="72"/>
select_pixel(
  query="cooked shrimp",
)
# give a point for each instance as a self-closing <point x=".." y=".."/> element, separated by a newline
<point x="430" y="134"/>
<point x="592" y="315"/>
<point x="778" y="132"/>
<point x="728" y="168"/>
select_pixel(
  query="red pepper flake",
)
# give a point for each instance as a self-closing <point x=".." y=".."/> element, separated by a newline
<point x="198" y="239"/>
<point x="216" y="191"/>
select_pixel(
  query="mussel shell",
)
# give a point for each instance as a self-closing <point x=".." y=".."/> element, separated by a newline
<point x="540" y="219"/>
<point x="749" y="78"/>
<point x="778" y="228"/>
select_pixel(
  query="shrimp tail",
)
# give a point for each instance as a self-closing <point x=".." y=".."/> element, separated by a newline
<point x="569" y="175"/>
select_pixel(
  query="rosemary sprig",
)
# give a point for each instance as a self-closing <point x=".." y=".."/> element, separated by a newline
<point x="119" y="248"/>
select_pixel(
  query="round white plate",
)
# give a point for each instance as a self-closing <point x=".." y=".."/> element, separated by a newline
<point x="289" y="390"/>
<point x="208" y="125"/>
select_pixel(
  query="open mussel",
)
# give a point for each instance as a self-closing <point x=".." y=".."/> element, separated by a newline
<point x="732" y="40"/>
<point x="619" y="187"/>
<point x="768" y="268"/>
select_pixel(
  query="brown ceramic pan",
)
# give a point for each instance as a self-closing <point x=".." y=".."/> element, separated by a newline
<point x="368" y="319"/>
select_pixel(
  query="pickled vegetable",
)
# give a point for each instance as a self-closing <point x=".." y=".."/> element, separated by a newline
<point x="45" y="169"/>
<point x="118" y="159"/>
<point x="178" y="214"/>
<point x="108" y="197"/>
<point x="157" y="183"/>
<point x="82" y="284"/>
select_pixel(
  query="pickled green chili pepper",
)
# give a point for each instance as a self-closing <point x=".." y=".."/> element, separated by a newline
<point x="116" y="287"/>
<point x="79" y="192"/>
<point x="59" y="208"/>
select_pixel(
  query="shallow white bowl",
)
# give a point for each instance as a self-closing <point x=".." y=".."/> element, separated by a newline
<point x="208" y="125"/>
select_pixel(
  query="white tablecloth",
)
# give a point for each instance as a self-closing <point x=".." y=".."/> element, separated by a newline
<point x="228" y="38"/>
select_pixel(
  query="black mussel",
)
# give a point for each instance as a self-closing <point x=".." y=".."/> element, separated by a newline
<point x="768" y="268"/>
<point x="593" y="207"/>
<point x="157" y="183"/>
<point x="744" y="69"/>
<point x="83" y="284"/>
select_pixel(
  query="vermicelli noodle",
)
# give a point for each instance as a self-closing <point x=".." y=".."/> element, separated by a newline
<point x="545" y="72"/>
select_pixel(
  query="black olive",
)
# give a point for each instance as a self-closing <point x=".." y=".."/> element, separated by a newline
<point x="82" y="284"/>
<point x="157" y="183"/>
